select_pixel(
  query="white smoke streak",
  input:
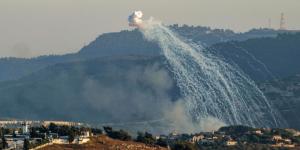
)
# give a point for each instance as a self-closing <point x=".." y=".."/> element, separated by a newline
<point x="211" y="88"/>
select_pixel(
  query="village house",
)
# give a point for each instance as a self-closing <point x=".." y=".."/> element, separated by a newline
<point x="83" y="138"/>
<point x="161" y="137"/>
<point x="61" y="140"/>
<point x="196" y="138"/>
<point x="281" y="144"/>
<point x="207" y="142"/>
<point x="295" y="132"/>
<point x="287" y="141"/>
<point x="230" y="143"/>
<point x="258" y="132"/>
<point x="276" y="138"/>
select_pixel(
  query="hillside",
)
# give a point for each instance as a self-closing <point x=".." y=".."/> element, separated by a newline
<point x="92" y="91"/>
<point x="285" y="94"/>
<point x="101" y="84"/>
<point x="209" y="36"/>
<point x="264" y="58"/>
<point x="104" y="142"/>
<point x="123" y="43"/>
<point x="107" y="90"/>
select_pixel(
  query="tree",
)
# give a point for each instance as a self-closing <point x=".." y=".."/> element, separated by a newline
<point x="4" y="143"/>
<point x="184" y="146"/>
<point x="146" y="138"/>
<point x="236" y="130"/>
<point x="14" y="134"/>
<point x="162" y="142"/>
<point x="97" y="131"/>
<point x="284" y="133"/>
<point x="1" y="132"/>
<point x="71" y="136"/>
<point x="33" y="133"/>
<point x="53" y="127"/>
<point x="26" y="144"/>
<point x="107" y="129"/>
<point x="121" y="135"/>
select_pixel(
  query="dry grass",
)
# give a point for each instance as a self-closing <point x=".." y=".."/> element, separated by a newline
<point x="104" y="143"/>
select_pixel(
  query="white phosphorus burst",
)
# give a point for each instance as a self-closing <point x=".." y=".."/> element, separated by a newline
<point x="135" y="19"/>
<point x="211" y="87"/>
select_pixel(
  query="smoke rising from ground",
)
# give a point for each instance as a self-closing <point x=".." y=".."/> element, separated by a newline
<point x="140" y="99"/>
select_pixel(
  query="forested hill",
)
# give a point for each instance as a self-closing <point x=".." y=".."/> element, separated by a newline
<point x="209" y="36"/>
<point x="123" y="43"/>
<point x="285" y="94"/>
<point x="264" y="58"/>
<point x="89" y="88"/>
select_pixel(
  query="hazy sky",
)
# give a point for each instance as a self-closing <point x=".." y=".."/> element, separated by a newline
<point x="36" y="27"/>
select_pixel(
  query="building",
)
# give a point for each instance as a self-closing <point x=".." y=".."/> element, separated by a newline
<point x="277" y="137"/>
<point x="196" y="138"/>
<point x="287" y="141"/>
<point x="81" y="140"/>
<point x="258" y="132"/>
<point x="283" y="145"/>
<point x="25" y="128"/>
<point x="61" y="140"/>
<point x="295" y="132"/>
<point x="86" y="134"/>
<point x="230" y="143"/>
<point x="61" y="123"/>
<point x="207" y="142"/>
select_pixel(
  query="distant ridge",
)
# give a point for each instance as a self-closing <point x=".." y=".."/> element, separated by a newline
<point x="124" y="43"/>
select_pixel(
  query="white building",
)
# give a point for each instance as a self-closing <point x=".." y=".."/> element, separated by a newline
<point x="81" y="140"/>
<point x="61" y="140"/>
<point x="196" y="138"/>
<point x="277" y="137"/>
<point x="230" y="143"/>
<point x="25" y="128"/>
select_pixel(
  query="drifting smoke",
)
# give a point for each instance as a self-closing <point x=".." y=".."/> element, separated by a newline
<point x="214" y="92"/>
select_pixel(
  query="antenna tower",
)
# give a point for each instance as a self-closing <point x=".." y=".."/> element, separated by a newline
<point x="282" y="22"/>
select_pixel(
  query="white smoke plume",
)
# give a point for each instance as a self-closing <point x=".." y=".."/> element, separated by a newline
<point x="175" y="116"/>
<point x="135" y="19"/>
<point x="214" y="92"/>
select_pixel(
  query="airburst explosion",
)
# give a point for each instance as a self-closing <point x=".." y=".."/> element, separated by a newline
<point x="210" y="87"/>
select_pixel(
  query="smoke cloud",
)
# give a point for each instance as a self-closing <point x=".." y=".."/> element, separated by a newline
<point x="135" y="19"/>
<point x="141" y="98"/>
<point x="175" y="115"/>
<point x="182" y="122"/>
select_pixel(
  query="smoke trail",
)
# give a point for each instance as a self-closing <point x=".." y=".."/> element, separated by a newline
<point x="211" y="88"/>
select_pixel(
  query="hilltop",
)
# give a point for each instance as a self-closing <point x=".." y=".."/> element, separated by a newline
<point x="124" y="43"/>
<point x="105" y="142"/>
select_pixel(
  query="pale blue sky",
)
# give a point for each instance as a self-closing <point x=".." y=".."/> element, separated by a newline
<point x="36" y="27"/>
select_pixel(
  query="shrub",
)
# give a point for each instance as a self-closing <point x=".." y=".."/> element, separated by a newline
<point x="184" y="146"/>
<point x="146" y="138"/>
<point x="121" y="135"/>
